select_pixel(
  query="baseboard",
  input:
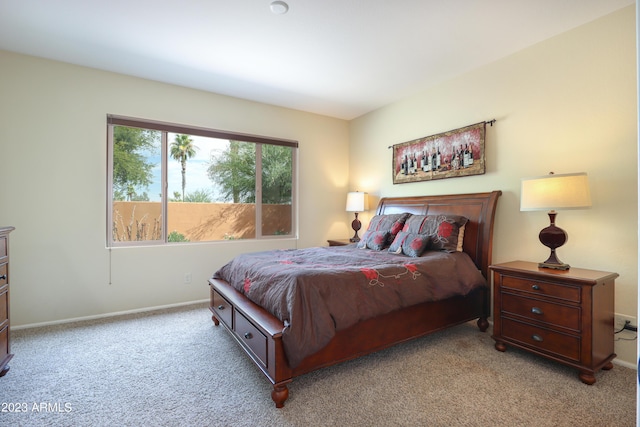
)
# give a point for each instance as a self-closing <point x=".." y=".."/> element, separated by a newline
<point x="106" y="315"/>
<point x="625" y="364"/>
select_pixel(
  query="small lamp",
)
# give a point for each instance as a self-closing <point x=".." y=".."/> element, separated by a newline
<point x="567" y="191"/>
<point x="356" y="202"/>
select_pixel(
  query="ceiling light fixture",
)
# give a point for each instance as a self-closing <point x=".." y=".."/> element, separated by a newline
<point x="279" y="7"/>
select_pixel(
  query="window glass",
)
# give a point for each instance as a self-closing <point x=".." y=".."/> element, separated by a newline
<point x="277" y="191"/>
<point x="136" y="207"/>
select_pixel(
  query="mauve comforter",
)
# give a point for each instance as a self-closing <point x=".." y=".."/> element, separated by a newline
<point x="317" y="291"/>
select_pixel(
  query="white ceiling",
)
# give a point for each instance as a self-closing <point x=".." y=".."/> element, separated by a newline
<point x="340" y="58"/>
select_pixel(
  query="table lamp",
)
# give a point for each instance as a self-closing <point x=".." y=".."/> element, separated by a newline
<point x="550" y="192"/>
<point x="356" y="202"/>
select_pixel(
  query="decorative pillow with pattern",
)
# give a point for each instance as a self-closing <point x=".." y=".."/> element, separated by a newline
<point x="415" y="224"/>
<point x="411" y="244"/>
<point x="446" y="232"/>
<point x="396" y="245"/>
<point x="377" y="240"/>
<point x="391" y="223"/>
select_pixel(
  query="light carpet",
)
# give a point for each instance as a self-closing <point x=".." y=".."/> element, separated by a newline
<point x="175" y="368"/>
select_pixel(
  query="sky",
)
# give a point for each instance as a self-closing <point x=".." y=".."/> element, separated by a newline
<point x="197" y="177"/>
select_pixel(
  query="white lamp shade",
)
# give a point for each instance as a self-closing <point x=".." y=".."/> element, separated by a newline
<point x="565" y="191"/>
<point x="357" y="201"/>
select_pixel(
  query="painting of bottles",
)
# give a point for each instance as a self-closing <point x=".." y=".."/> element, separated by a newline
<point x="450" y="154"/>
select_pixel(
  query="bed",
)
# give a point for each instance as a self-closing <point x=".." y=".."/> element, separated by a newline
<point x="269" y="341"/>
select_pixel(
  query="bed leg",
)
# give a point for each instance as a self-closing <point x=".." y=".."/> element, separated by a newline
<point x="215" y="320"/>
<point x="279" y="394"/>
<point x="483" y="324"/>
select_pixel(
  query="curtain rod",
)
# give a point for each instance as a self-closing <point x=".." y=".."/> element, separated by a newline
<point x="490" y="122"/>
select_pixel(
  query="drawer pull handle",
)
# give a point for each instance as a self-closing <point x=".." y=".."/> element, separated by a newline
<point x="221" y="307"/>
<point x="248" y="335"/>
<point x="536" y="337"/>
<point x="535" y="287"/>
<point x="3" y="277"/>
<point x="536" y="310"/>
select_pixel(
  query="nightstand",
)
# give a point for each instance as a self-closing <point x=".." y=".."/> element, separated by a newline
<point x="339" y="242"/>
<point x="563" y="315"/>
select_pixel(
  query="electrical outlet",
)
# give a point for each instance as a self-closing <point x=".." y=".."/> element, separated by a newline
<point x="621" y="319"/>
<point x="187" y="278"/>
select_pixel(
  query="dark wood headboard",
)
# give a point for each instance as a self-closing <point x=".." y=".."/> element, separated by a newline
<point x="479" y="208"/>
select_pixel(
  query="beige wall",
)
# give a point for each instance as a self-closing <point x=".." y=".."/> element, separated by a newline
<point x="53" y="156"/>
<point x="565" y="105"/>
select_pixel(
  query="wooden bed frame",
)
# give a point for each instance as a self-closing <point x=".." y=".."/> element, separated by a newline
<point x="259" y="333"/>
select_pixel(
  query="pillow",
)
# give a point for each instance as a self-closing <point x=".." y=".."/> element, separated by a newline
<point x="376" y="240"/>
<point x="391" y="223"/>
<point x="416" y="244"/>
<point x="415" y="224"/>
<point x="411" y="244"/>
<point x="446" y="232"/>
<point x="396" y="245"/>
<point x="460" y="238"/>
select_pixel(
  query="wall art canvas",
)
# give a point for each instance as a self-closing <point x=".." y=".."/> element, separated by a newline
<point x="458" y="152"/>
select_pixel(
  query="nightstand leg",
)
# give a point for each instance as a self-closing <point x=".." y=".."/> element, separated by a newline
<point x="587" y="378"/>
<point x="500" y="346"/>
<point x="607" y="367"/>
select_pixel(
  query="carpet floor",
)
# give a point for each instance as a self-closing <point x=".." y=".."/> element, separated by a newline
<point x="175" y="368"/>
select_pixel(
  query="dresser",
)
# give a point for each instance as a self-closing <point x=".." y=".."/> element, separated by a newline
<point x="5" y="354"/>
<point x="563" y="315"/>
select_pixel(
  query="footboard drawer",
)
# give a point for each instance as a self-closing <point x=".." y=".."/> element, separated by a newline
<point x="251" y="337"/>
<point x="222" y="309"/>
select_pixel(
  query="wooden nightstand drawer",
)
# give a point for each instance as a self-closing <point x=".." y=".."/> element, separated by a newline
<point x="252" y="338"/>
<point x="541" y="311"/>
<point x="537" y="287"/>
<point x="222" y="308"/>
<point x="563" y="345"/>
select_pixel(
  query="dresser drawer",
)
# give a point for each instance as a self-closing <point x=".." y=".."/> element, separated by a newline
<point x="563" y="345"/>
<point x="538" y="287"/>
<point x="4" y="248"/>
<point x="251" y="337"/>
<point x="222" y="308"/>
<point x="541" y="311"/>
<point x="4" y="279"/>
<point x="4" y="308"/>
<point x="4" y="343"/>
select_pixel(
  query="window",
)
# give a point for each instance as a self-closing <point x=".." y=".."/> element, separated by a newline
<point x="170" y="183"/>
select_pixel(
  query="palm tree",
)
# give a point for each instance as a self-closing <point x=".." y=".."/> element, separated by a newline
<point x="183" y="149"/>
